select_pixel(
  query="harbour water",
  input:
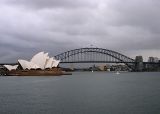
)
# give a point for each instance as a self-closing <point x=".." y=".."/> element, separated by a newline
<point x="82" y="93"/>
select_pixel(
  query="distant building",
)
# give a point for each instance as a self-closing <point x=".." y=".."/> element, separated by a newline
<point x="119" y="67"/>
<point x="153" y="59"/>
<point x="104" y="67"/>
<point x="153" y="67"/>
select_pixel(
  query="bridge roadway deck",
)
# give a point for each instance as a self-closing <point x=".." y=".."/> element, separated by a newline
<point x="95" y="62"/>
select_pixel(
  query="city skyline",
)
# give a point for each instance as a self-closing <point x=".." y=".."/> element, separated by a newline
<point x="130" y="27"/>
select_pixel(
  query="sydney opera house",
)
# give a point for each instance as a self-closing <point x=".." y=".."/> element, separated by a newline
<point x="40" y="64"/>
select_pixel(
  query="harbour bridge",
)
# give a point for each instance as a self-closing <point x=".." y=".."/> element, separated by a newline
<point x="95" y="55"/>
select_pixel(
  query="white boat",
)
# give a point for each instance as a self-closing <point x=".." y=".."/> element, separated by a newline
<point x="117" y="72"/>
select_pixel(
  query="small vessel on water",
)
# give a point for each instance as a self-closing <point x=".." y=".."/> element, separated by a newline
<point x="40" y="65"/>
<point x="117" y="72"/>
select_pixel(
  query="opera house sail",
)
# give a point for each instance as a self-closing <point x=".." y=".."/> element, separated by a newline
<point x="39" y="61"/>
<point x="11" y="67"/>
<point x="40" y="64"/>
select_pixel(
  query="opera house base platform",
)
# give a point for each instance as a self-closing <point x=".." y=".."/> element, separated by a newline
<point x="48" y="72"/>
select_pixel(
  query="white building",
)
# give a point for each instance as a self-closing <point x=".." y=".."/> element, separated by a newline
<point x="11" y="67"/>
<point x="39" y="61"/>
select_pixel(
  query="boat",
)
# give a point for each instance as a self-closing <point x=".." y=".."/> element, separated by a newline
<point x="117" y="72"/>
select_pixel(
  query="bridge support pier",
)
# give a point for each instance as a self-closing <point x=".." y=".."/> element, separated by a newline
<point x="139" y="66"/>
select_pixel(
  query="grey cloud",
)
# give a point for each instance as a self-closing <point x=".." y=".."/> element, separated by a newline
<point x="144" y="13"/>
<point x="29" y="26"/>
<point x="40" y="4"/>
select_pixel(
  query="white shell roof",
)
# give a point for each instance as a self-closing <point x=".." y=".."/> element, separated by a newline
<point x="11" y="67"/>
<point x="40" y="60"/>
<point x="49" y="63"/>
<point x="55" y="63"/>
<point x="28" y="65"/>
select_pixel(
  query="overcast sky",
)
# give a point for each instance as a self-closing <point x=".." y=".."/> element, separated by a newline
<point x="131" y="27"/>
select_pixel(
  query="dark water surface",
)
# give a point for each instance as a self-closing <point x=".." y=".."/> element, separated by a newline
<point x="81" y="93"/>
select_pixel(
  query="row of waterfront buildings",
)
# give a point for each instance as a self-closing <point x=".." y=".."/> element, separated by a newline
<point x="153" y="64"/>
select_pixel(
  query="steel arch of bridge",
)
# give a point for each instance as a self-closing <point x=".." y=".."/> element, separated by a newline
<point x="115" y="57"/>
